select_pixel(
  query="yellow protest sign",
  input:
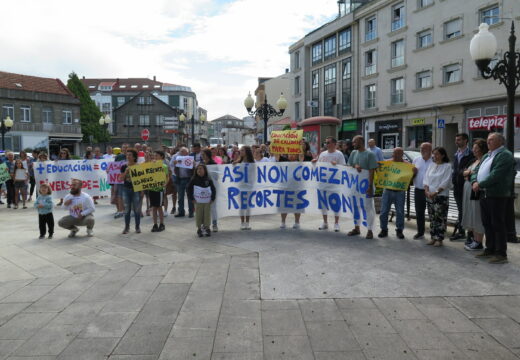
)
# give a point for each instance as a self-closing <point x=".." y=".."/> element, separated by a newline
<point x="286" y="142"/>
<point x="147" y="176"/>
<point x="393" y="175"/>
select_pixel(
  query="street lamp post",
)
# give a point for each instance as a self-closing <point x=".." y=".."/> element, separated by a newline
<point x="104" y="121"/>
<point x="5" y="126"/>
<point x="265" y="111"/>
<point x="483" y="47"/>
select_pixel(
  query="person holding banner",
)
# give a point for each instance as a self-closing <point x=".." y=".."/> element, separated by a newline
<point x="207" y="159"/>
<point x="132" y="198"/>
<point x="335" y="157"/>
<point x="81" y="209"/>
<point x="245" y="156"/>
<point x="202" y="192"/>
<point x="363" y="159"/>
<point x="183" y="172"/>
<point x="157" y="196"/>
<point x="63" y="155"/>
<point x="396" y="197"/>
<point x="437" y="183"/>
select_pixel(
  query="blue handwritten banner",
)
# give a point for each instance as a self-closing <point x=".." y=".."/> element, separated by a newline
<point x="296" y="187"/>
<point x="58" y="174"/>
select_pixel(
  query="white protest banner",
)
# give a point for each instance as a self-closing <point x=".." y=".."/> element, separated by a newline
<point x="113" y="172"/>
<point x="185" y="162"/>
<point x="296" y="187"/>
<point x="202" y="195"/>
<point x="58" y="174"/>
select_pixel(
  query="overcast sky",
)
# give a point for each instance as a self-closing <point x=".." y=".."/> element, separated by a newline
<point x="217" y="47"/>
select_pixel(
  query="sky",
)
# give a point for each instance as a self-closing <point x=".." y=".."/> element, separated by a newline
<point x="217" y="47"/>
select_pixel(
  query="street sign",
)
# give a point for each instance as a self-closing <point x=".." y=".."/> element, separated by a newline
<point x="145" y="134"/>
<point x="441" y="123"/>
<point x="171" y="122"/>
<point x="171" y="131"/>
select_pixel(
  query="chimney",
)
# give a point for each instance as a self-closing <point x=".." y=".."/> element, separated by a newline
<point x="286" y="70"/>
<point x="154" y="78"/>
<point x="83" y="77"/>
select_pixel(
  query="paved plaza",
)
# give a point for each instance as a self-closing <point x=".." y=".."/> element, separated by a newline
<point x="248" y="295"/>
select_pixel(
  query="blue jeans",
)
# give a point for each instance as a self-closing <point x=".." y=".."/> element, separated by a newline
<point x="132" y="199"/>
<point x="392" y="197"/>
<point x="181" y="191"/>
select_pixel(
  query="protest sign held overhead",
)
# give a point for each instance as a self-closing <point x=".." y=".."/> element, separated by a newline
<point x="270" y="188"/>
<point x="59" y="174"/>
<point x="113" y="172"/>
<point x="185" y="162"/>
<point x="286" y="142"/>
<point x="393" y="175"/>
<point x="147" y="176"/>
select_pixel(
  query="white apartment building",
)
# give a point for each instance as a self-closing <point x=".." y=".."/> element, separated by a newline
<point x="401" y="72"/>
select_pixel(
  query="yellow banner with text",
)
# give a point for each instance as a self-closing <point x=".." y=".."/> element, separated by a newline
<point x="147" y="176"/>
<point x="393" y="175"/>
<point x="286" y="142"/>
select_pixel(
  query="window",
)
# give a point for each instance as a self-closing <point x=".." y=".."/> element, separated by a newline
<point x="129" y="120"/>
<point x="67" y="117"/>
<point x="330" y="47"/>
<point x="397" y="91"/>
<point x="330" y="90"/>
<point x="47" y="116"/>
<point x="490" y="15"/>
<point x="315" y="92"/>
<point x="296" y="60"/>
<point x="120" y="100"/>
<point x="297" y="85"/>
<point x="122" y="86"/>
<point x="25" y="113"/>
<point x="370" y="28"/>
<point x="185" y="103"/>
<point x="140" y="100"/>
<point x="133" y="86"/>
<point x="424" y="3"/>
<point x="452" y="73"/>
<point x="105" y="88"/>
<point x="144" y="120"/>
<point x="105" y="107"/>
<point x="370" y="62"/>
<point x="346" y="86"/>
<point x="424" y="39"/>
<point x="397" y="16"/>
<point x="146" y="86"/>
<point x="424" y="79"/>
<point x="159" y="120"/>
<point x="345" y="40"/>
<point x="370" y="96"/>
<point x="8" y="110"/>
<point x="316" y="53"/>
<point x="297" y="111"/>
<point x="398" y="53"/>
<point x="416" y="135"/>
<point x="452" y="29"/>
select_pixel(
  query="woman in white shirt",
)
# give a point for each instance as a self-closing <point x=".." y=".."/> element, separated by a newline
<point x="437" y="183"/>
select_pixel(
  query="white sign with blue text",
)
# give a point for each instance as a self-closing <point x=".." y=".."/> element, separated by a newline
<point x="294" y="187"/>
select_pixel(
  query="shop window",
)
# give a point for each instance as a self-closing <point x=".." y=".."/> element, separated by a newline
<point x="416" y="135"/>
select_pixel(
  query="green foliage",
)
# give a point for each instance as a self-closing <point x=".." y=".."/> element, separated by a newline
<point x="89" y="112"/>
<point x="287" y="127"/>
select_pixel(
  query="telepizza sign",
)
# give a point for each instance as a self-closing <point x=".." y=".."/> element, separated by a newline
<point x="490" y="122"/>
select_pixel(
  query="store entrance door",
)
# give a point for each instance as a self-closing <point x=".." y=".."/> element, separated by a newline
<point x="389" y="141"/>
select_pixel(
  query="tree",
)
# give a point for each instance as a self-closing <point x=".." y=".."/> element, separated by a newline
<point x="89" y="112"/>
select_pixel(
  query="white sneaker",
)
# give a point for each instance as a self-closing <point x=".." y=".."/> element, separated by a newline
<point x="247" y="226"/>
<point x="282" y="226"/>
<point x="296" y="226"/>
<point x="243" y="226"/>
<point x="323" y="226"/>
<point x="336" y="227"/>
<point x="90" y="232"/>
<point x="215" y="228"/>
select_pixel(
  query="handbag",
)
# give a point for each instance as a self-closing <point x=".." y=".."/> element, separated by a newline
<point x="474" y="195"/>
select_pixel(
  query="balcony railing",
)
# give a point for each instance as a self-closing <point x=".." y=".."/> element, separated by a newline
<point x="47" y="127"/>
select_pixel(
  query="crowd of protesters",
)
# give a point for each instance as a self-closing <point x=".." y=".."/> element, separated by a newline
<point x="481" y="176"/>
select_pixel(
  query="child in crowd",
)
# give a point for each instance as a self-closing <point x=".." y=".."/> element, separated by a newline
<point x="201" y="191"/>
<point x="44" y="205"/>
<point x="157" y="196"/>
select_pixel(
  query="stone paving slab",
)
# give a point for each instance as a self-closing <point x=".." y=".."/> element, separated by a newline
<point x="263" y="294"/>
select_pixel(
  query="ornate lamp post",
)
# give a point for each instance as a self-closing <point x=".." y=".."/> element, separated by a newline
<point x="265" y="111"/>
<point x="5" y="126"/>
<point x="202" y="119"/>
<point x="182" y="118"/>
<point x="104" y="121"/>
<point x="483" y="47"/>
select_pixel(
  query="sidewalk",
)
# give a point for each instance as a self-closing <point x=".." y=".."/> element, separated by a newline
<point x="260" y="294"/>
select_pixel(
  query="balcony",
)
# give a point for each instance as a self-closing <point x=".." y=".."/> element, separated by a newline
<point x="47" y="127"/>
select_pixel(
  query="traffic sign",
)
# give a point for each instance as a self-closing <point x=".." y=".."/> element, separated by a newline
<point x="145" y="134"/>
<point x="441" y="123"/>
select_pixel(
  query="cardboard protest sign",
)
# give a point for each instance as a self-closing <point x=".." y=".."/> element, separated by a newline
<point x="202" y="195"/>
<point x="393" y="175"/>
<point x="291" y="187"/>
<point x="4" y="173"/>
<point x="114" y="171"/>
<point x="58" y="174"/>
<point x="286" y="142"/>
<point x="147" y="176"/>
<point x="185" y="162"/>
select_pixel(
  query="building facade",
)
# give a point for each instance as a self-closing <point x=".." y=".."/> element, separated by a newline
<point x="401" y="72"/>
<point x="44" y="111"/>
<point x="151" y="104"/>
<point x="230" y="128"/>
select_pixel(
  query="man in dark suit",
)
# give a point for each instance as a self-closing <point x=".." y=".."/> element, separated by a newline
<point x="462" y="158"/>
